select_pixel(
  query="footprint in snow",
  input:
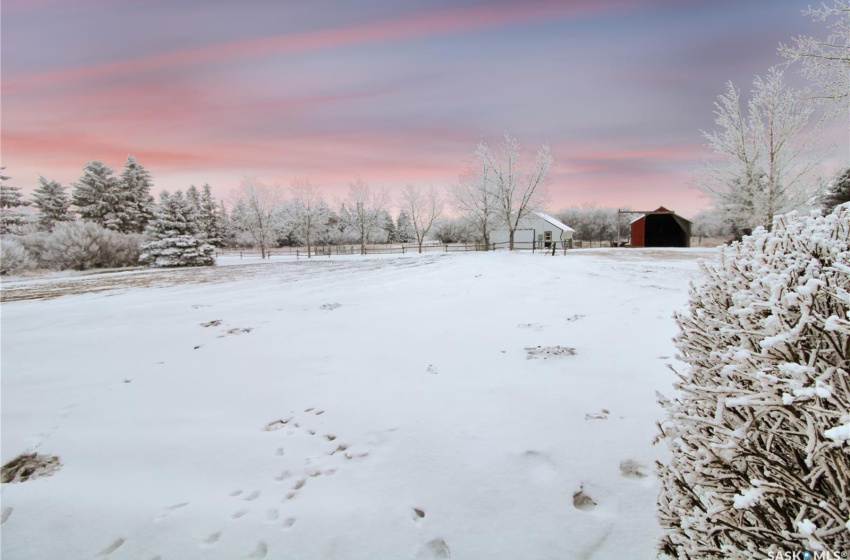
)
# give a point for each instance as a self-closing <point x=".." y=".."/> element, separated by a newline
<point x="431" y="369"/>
<point x="239" y="514"/>
<point x="603" y="415"/>
<point x="418" y="514"/>
<point x="288" y="522"/>
<point x="436" y="549"/>
<point x="170" y="509"/>
<point x="111" y="548"/>
<point x="212" y="539"/>
<point x="632" y="469"/>
<point x="236" y="493"/>
<point x="582" y="501"/>
<point x="7" y="511"/>
<point x="252" y="496"/>
<point x="261" y="551"/>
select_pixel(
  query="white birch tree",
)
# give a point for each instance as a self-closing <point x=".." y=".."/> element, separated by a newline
<point x="255" y="211"/>
<point x="424" y="208"/>
<point x="518" y="187"/>
<point x="764" y="165"/>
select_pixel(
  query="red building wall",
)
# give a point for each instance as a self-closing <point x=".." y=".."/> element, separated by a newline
<point x="637" y="232"/>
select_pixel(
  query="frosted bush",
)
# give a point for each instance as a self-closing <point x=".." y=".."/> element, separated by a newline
<point x="14" y="257"/>
<point x="173" y="237"/>
<point x="759" y="431"/>
<point x="83" y="245"/>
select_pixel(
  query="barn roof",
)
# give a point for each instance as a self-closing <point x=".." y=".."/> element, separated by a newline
<point x="555" y="222"/>
<point x="660" y="210"/>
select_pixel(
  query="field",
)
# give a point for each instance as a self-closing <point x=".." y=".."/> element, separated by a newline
<point x="465" y="406"/>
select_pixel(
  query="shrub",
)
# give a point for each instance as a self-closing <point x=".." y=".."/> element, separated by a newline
<point x="83" y="245"/>
<point x="760" y="430"/>
<point x="14" y="257"/>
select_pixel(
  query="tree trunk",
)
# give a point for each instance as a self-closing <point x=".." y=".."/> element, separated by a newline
<point x="511" y="240"/>
<point x="420" y="247"/>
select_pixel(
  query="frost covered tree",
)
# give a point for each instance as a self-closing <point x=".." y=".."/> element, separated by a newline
<point x="837" y="191"/>
<point x="518" y="187"/>
<point x="193" y="195"/>
<point x="12" y="219"/>
<point x="210" y="218"/>
<point x="826" y="61"/>
<point x="362" y="210"/>
<point x="424" y="208"/>
<point x="52" y="203"/>
<point x="135" y="187"/>
<point x="388" y="225"/>
<point x="473" y="198"/>
<point x="173" y="237"/>
<point x="310" y="213"/>
<point x="404" y="228"/>
<point x="763" y="167"/>
<point x="256" y="212"/>
<point x="99" y="198"/>
<point x="759" y="430"/>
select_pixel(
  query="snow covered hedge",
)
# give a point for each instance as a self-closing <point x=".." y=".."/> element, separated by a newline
<point x="759" y="432"/>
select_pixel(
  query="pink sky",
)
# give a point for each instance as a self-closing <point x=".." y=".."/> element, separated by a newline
<point x="393" y="92"/>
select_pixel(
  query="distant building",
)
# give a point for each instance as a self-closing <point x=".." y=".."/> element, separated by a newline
<point x="537" y="230"/>
<point x="661" y="228"/>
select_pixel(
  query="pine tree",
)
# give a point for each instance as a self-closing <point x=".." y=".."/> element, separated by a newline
<point x="136" y="184"/>
<point x="12" y="219"/>
<point x="194" y="197"/>
<point x="837" y="192"/>
<point x="99" y="198"/>
<point x="52" y="202"/>
<point x="210" y="218"/>
<point x="173" y="237"/>
<point x="389" y="228"/>
<point x="404" y="228"/>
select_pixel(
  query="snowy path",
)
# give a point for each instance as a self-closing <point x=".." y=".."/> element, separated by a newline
<point x="344" y="409"/>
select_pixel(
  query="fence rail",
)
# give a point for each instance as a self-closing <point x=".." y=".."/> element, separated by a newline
<point x="404" y="248"/>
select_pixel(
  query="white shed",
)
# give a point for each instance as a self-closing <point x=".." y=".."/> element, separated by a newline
<point x="537" y="230"/>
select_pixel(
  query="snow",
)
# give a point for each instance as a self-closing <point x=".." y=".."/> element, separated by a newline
<point x="747" y="498"/>
<point x="839" y="434"/>
<point x="346" y="408"/>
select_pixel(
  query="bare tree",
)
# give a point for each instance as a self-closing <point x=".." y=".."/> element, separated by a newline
<point x="424" y="208"/>
<point x="472" y="197"/>
<point x="764" y="166"/>
<point x="255" y="211"/>
<point x="518" y="188"/>
<point x="310" y="213"/>
<point x="826" y="61"/>
<point x="362" y="210"/>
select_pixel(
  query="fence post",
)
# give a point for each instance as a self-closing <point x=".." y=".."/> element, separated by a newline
<point x="240" y="255"/>
<point x="447" y="247"/>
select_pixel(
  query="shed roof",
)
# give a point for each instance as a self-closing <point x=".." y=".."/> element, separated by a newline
<point x="555" y="222"/>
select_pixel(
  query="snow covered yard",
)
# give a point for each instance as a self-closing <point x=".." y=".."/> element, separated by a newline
<point x="351" y="408"/>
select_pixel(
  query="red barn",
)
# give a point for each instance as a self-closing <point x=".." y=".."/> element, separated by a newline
<point x="661" y="228"/>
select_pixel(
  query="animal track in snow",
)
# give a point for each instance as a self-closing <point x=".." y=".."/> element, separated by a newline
<point x="597" y="415"/>
<point x="252" y="496"/>
<point x="288" y="522"/>
<point x="431" y="369"/>
<point x="275" y="425"/>
<point x="7" y="511"/>
<point x="582" y="501"/>
<point x="331" y="306"/>
<point x="279" y="452"/>
<point x="213" y="323"/>
<point x="170" y="509"/>
<point x="283" y="476"/>
<point x="546" y="352"/>
<point x="290" y="495"/>
<point x="537" y="327"/>
<point x="632" y="469"/>
<point x="111" y="548"/>
<point x="573" y="318"/>
<point x="212" y="538"/>
<point x="418" y="514"/>
<point x="436" y="549"/>
<point x="299" y="484"/>
<point x="261" y="551"/>
<point x="236" y="492"/>
<point x="240" y="513"/>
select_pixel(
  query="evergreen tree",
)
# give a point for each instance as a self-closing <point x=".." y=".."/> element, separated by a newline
<point x="194" y="197"/>
<point x="136" y="183"/>
<point x="12" y="219"/>
<point x="210" y="218"/>
<point x="389" y="227"/>
<point x="837" y="192"/>
<point x="52" y="202"/>
<point x="173" y="237"/>
<point x="99" y="198"/>
<point x="404" y="228"/>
